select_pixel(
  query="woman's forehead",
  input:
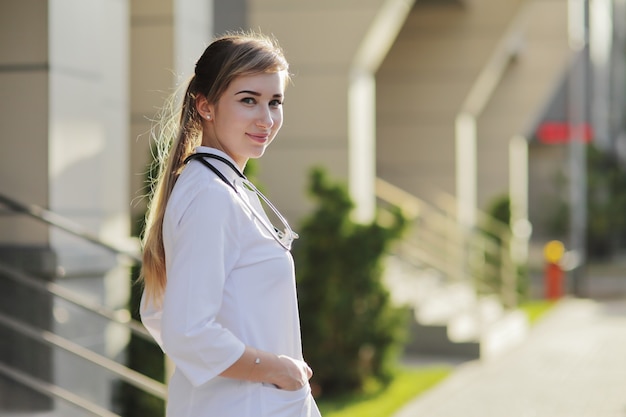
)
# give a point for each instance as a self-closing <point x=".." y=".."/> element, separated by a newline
<point x="270" y="83"/>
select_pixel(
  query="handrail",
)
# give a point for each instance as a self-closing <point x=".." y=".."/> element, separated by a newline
<point x="52" y="390"/>
<point x="429" y="244"/>
<point x="132" y="377"/>
<point x="437" y="240"/>
<point x="122" y="317"/>
<point x="41" y="214"/>
<point x="449" y="203"/>
<point x="68" y="295"/>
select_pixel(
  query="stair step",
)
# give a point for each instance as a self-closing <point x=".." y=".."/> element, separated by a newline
<point x="489" y="341"/>
<point x="444" y="303"/>
<point x="469" y="324"/>
<point x="450" y="319"/>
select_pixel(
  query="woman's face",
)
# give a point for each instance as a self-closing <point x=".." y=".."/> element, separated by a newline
<point x="246" y="117"/>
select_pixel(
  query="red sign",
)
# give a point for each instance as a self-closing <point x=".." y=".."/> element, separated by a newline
<point x="561" y="132"/>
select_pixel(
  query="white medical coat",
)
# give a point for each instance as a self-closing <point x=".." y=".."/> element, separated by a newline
<point x="229" y="284"/>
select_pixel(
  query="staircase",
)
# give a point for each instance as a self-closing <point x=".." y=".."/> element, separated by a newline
<point x="460" y="286"/>
<point x="495" y="63"/>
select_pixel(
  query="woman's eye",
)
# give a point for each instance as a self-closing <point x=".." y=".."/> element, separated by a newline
<point x="275" y="103"/>
<point x="248" y="100"/>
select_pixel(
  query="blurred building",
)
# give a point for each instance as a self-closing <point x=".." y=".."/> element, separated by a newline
<point x="441" y="98"/>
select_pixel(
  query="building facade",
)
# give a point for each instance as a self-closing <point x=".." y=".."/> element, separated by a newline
<point x="438" y="97"/>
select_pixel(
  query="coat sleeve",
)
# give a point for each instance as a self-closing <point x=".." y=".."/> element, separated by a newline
<point x="200" y="241"/>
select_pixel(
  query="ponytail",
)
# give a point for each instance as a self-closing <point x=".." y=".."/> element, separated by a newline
<point x="170" y="158"/>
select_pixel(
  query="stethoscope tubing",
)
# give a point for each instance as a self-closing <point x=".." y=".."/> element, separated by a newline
<point x="289" y="235"/>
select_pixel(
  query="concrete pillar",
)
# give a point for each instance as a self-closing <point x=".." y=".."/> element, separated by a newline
<point x="88" y="127"/>
<point x="24" y="120"/>
<point x="64" y="136"/>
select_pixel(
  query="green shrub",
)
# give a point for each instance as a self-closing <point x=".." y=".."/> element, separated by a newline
<point x="350" y="330"/>
<point x="499" y="212"/>
<point x="606" y="203"/>
<point x="144" y="357"/>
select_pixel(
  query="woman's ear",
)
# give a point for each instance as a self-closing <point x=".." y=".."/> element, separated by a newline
<point x="204" y="108"/>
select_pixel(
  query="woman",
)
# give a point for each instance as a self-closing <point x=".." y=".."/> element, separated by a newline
<point x="219" y="280"/>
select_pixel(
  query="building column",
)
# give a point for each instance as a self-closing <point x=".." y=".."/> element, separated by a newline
<point x="64" y="135"/>
<point x="88" y="127"/>
<point x="24" y="244"/>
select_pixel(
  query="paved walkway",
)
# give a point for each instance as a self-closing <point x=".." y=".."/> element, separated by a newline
<point x="573" y="364"/>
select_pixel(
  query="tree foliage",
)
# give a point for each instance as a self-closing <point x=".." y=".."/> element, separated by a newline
<point x="350" y="329"/>
<point x="606" y="203"/>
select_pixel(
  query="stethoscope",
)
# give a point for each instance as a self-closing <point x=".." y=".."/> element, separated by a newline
<point x="286" y="237"/>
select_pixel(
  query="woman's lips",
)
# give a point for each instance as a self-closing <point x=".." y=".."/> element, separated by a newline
<point x="259" y="137"/>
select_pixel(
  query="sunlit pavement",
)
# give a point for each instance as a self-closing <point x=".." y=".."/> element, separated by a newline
<point x="573" y="364"/>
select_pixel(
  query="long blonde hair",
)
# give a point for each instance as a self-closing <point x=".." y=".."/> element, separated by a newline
<point x="177" y="134"/>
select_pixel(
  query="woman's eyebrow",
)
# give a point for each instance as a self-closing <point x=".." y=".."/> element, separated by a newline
<point x="255" y="93"/>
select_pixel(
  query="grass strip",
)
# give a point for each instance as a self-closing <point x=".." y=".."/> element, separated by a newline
<point x="407" y="383"/>
<point x="536" y="309"/>
<point x="379" y="400"/>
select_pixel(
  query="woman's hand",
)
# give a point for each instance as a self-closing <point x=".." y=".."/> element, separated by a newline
<point x="259" y="366"/>
<point x="291" y="374"/>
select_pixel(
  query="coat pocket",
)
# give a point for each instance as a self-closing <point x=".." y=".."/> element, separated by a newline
<point x="276" y="402"/>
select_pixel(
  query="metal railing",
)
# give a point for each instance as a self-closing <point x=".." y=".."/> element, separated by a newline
<point x="48" y="338"/>
<point x="52" y="390"/>
<point x="437" y="240"/>
<point x="120" y="317"/>
<point x="46" y="216"/>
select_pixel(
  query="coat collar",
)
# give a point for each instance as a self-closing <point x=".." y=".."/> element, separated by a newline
<point x="223" y="168"/>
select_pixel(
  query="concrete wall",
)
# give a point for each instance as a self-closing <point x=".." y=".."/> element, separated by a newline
<point x="422" y="85"/>
<point x="24" y="115"/>
<point x="167" y="37"/>
<point x="152" y="79"/>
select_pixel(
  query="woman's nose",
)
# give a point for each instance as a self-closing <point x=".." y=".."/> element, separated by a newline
<point x="265" y="119"/>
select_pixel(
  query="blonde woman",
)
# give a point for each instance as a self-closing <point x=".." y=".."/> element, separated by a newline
<point x="219" y="284"/>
